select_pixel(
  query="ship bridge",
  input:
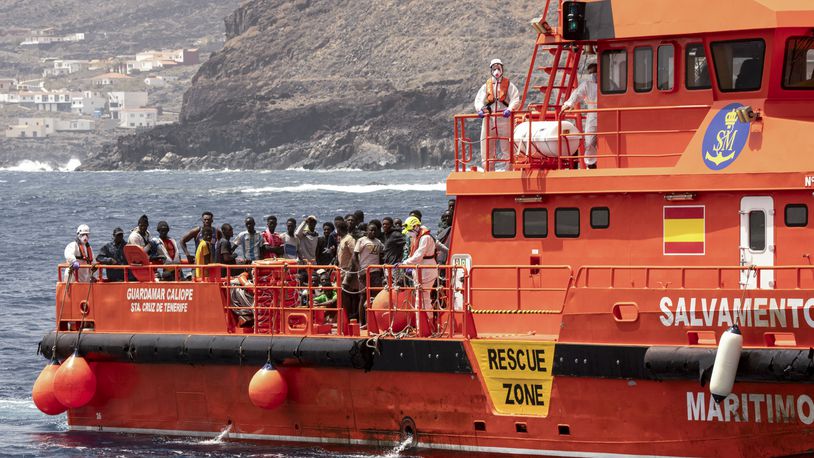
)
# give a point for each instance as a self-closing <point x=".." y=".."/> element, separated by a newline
<point x="679" y="90"/>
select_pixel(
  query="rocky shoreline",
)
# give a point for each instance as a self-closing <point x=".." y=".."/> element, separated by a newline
<point x="320" y="84"/>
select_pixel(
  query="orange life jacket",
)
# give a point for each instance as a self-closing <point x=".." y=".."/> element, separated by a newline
<point x="502" y="91"/>
<point x="414" y="246"/>
<point x="170" y="248"/>
<point x="85" y="252"/>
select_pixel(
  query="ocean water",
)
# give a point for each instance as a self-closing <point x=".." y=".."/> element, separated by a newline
<point x="40" y="209"/>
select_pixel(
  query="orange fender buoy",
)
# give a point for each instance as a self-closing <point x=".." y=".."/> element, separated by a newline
<point x="268" y="389"/>
<point x="400" y="316"/>
<point x="74" y="382"/>
<point x="43" y="391"/>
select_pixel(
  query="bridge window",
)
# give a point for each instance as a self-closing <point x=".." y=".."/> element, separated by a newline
<point x="738" y="64"/>
<point x="666" y="68"/>
<point x="614" y="71"/>
<point x="697" y="69"/>
<point x="798" y="70"/>
<point x="600" y="218"/>
<point x="566" y="222"/>
<point x="757" y="230"/>
<point x="535" y="222"/>
<point x="796" y="215"/>
<point x="504" y="223"/>
<point x="643" y="69"/>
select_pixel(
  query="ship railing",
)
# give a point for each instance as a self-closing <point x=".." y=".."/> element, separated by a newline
<point x="518" y="289"/>
<point x="468" y="142"/>
<point x="465" y="143"/>
<point x="564" y="160"/>
<point x="789" y="277"/>
<point x="418" y="300"/>
<point x="286" y="299"/>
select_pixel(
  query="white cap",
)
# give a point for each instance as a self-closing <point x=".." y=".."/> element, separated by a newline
<point x="495" y="61"/>
<point x="82" y="229"/>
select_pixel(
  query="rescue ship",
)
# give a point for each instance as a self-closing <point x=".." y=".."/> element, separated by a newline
<point x="660" y="304"/>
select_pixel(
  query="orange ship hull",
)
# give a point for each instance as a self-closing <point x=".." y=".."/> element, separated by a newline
<point x="345" y="406"/>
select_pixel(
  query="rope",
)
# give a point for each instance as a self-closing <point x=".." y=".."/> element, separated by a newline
<point x="59" y="317"/>
<point x="350" y="272"/>
<point x="84" y="314"/>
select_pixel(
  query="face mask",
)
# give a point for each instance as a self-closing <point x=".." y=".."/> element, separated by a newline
<point x="592" y="77"/>
<point x="83" y="238"/>
<point x="497" y="73"/>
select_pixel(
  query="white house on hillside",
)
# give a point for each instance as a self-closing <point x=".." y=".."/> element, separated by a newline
<point x="121" y="100"/>
<point x="132" y="118"/>
<point x="89" y="103"/>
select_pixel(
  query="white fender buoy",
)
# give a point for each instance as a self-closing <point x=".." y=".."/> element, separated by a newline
<point x="726" y="364"/>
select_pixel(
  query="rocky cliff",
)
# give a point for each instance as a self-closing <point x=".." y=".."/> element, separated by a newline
<point x="335" y="83"/>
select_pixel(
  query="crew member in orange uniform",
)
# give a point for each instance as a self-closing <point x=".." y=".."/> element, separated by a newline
<point x="499" y="96"/>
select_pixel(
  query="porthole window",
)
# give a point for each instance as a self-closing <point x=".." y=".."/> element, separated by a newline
<point x="738" y="64"/>
<point x="757" y="230"/>
<point x="798" y="69"/>
<point x="796" y="215"/>
<point x="666" y="68"/>
<point x="535" y="222"/>
<point x="504" y="223"/>
<point x="643" y="69"/>
<point x="566" y="222"/>
<point x="614" y="71"/>
<point x="697" y="68"/>
<point x="600" y="218"/>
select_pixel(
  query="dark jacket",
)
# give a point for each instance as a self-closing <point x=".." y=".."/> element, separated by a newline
<point x="393" y="247"/>
<point x="112" y="254"/>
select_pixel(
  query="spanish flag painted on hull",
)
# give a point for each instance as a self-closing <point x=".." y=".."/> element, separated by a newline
<point x="684" y="230"/>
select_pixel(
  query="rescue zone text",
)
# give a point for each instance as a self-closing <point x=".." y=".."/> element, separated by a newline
<point x="517" y="374"/>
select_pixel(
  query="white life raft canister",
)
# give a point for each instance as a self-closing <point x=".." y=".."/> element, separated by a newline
<point x="544" y="138"/>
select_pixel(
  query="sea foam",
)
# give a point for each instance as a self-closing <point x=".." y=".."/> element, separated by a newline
<point x="351" y="189"/>
<point x="28" y="165"/>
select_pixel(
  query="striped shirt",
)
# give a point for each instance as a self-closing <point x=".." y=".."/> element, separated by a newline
<point x="249" y="245"/>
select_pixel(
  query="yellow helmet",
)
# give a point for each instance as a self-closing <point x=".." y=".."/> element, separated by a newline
<point x="410" y="224"/>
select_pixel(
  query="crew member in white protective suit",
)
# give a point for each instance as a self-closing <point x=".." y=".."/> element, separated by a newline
<point x="498" y="95"/>
<point x="586" y="93"/>
<point x="422" y="253"/>
<point x="78" y="253"/>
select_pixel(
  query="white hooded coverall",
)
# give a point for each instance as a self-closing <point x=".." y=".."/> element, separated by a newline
<point x="586" y="93"/>
<point x="421" y="256"/>
<point x="497" y="125"/>
<point x="72" y="254"/>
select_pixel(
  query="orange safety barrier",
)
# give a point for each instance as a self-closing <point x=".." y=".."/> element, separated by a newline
<point x="618" y="133"/>
<point x="464" y="150"/>
<point x="532" y="287"/>
<point x="691" y="277"/>
<point x="392" y="307"/>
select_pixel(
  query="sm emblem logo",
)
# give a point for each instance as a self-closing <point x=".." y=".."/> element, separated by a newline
<point x="724" y="139"/>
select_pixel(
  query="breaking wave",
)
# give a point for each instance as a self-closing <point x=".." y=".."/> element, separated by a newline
<point x="28" y="165"/>
<point x="300" y="169"/>
<point x="351" y="189"/>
